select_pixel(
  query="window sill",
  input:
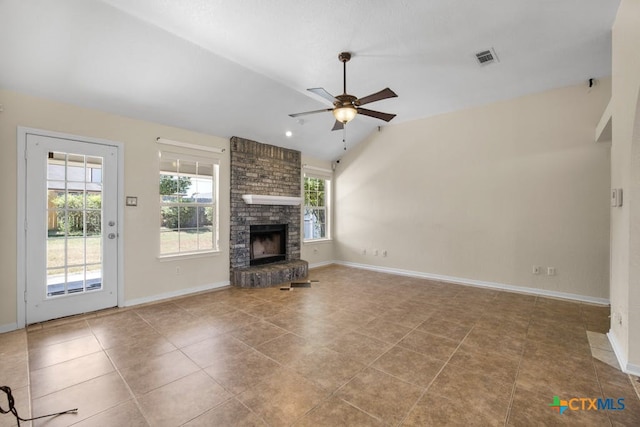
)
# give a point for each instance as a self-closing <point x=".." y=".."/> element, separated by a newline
<point x="317" y="241"/>
<point x="190" y="255"/>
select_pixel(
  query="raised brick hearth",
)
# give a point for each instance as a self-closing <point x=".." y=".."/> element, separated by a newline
<point x="264" y="170"/>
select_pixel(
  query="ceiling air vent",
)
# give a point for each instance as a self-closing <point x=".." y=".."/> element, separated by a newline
<point x="487" y="57"/>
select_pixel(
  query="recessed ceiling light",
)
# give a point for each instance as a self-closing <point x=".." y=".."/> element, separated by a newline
<point x="288" y="133"/>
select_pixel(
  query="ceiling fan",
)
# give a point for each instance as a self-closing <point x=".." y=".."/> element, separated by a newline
<point x="345" y="106"/>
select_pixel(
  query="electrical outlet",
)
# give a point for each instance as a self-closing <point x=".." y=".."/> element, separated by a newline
<point x="551" y="271"/>
<point x="535" y="269"/>
<point x="384" y="252"/>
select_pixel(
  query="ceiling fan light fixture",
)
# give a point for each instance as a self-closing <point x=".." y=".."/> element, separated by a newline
<point x="345" y="114"/>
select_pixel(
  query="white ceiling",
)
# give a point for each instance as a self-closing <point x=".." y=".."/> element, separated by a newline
<point x="240" y="67"/>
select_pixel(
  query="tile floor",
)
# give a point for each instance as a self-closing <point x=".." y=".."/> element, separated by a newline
<point x="358" y="348"/>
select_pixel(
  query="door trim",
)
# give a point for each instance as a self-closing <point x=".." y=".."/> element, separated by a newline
<point x="21" y="205"/>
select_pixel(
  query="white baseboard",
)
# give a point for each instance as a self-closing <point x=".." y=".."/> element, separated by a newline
<point x="633" y="369"/>
<point x="622" y="359"/>
<point x="320" y="264"/>
<point x="173" y="294"/>
<point x="627" y="368"/>
<point x="8" y="327"/>
<point x="479" y="283"/>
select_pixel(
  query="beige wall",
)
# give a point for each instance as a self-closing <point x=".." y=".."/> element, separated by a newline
<point x="625" y="174"/>
<point x="145" y="276"/>
<point x="484" y="194"/>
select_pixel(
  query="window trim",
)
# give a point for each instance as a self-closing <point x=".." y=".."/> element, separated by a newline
<point x="327" y="176"/>
<point x="204" y="156"/>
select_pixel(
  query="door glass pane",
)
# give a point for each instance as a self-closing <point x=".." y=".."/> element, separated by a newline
<point x="74" y="224"/>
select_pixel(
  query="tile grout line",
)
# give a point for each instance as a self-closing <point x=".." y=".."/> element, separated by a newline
<point x="115" y="367"/>
<point x="426" y="389"/>
<point x="134" y="397"/>
<point x="369" y="366"/>
<point x="515" y="379"/>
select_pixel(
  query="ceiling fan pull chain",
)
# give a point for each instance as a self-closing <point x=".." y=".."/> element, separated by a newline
<point x="344" y="137"/>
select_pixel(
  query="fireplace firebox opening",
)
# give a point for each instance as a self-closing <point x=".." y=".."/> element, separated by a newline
<point x="267" y="243"/>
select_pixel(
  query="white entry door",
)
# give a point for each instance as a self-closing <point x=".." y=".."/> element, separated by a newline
<point x="71" y="230"/>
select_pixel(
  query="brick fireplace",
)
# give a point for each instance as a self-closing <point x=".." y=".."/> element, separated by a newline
<point x="266" y="170"/>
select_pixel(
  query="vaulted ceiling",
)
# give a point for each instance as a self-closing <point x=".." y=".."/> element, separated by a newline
<point x="240" y="67"/>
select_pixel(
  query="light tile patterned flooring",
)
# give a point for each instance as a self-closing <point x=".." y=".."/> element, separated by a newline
<point x="358" y="348"/>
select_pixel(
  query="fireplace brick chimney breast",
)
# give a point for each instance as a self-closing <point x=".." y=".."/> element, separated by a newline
<point x="264" y="169"/>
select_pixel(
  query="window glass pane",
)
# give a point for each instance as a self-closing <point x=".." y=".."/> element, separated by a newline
<point x="55" y="252"/>
<point x="322" y="231"/>
<point x="55" y="171"/>
<point x="202" y="189"/>
<point x="96" y="175"/>
<point x="186" y="167"/>
<point x="205" y="216"/>
<point x="174" y="188"/>
<point x="169" y="165"/>
<point x="205" y="239"/>
<point x="93" y="215"/>
<point x="55" y="281"/>
<point x="76" y="168"/>
<point x="75" y="199"/>
<point x="205" y="169"/>
<point x="188" y="240"/>
<point x="169" y="242"/>
<point x="94" y="250"/>
<point x="75" y="251"/>
<point x="169" y="217"/>
<point x="57" y="187"/>
<point x="187" y="217"/>
<point x="93" y="172"/>
<point x="94" y="277"/>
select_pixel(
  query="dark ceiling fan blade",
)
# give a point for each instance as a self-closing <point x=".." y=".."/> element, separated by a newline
<point x="320" y="91"/>
<point x="376" y="114"/>
<point x="338" y="126"/>
<point x="310" y="112"/>
<point x="383" y="94"/>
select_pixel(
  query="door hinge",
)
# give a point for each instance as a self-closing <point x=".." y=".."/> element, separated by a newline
<point x="25" y="296"/>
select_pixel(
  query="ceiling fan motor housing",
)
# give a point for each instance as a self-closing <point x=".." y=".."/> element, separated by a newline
<point x="345" y="100"/>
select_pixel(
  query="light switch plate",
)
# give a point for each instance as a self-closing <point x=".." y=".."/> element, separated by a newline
<point x="616" y="197"/>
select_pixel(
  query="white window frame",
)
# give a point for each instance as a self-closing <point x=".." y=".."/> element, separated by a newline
<point x="326" y="175"/>
<point x="203" y="156"/>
